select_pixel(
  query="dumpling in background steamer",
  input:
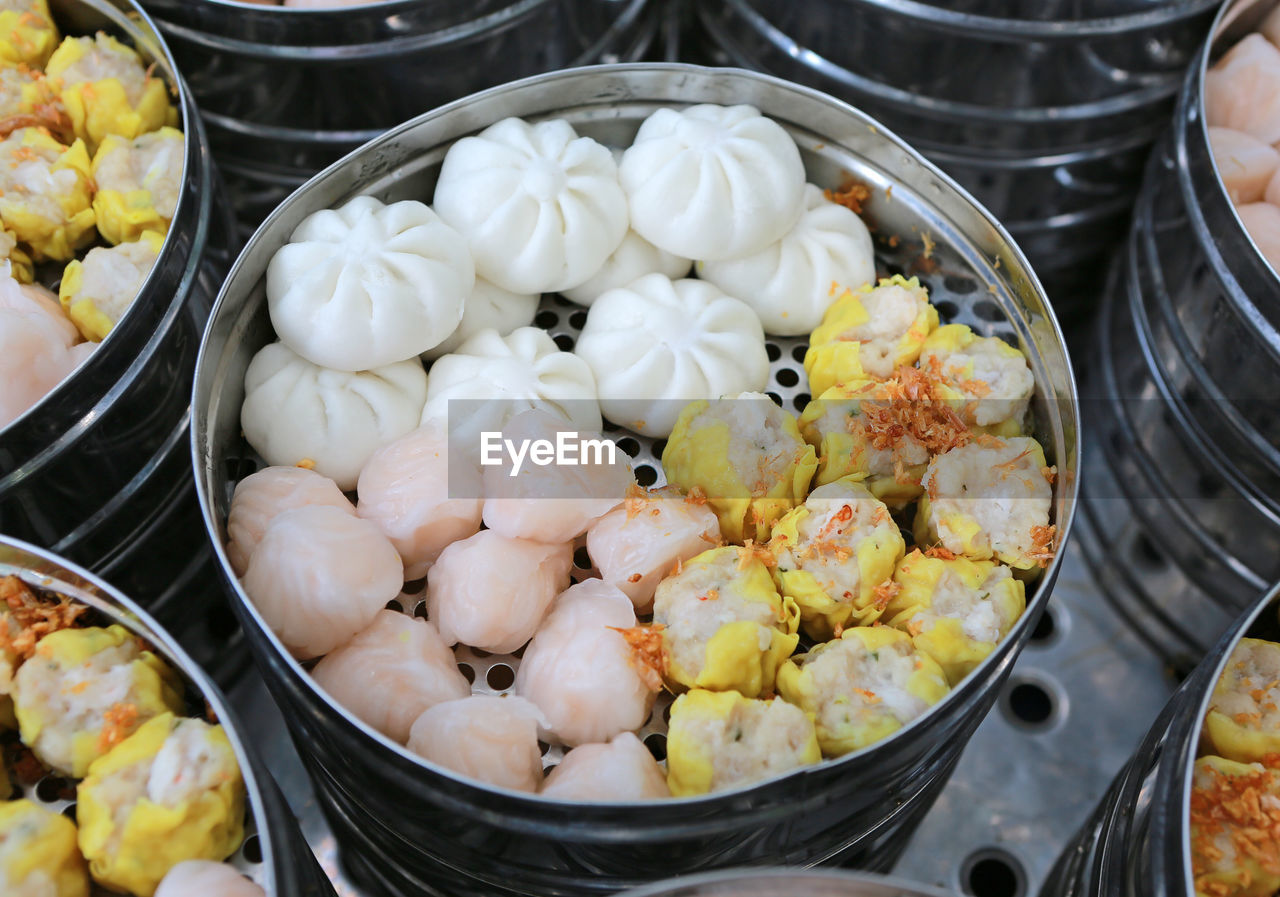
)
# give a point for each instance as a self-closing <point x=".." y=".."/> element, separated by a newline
<point x="1245" y="163"/>
<point x="556" y="502"/>
<point x="489" y="307"/>
<point x="39" y="347"/>
<point x="712" y="182"/>
<point x="655" y="345"/>
<point x="790" y="283"/>
<point x="635" y="258"/>
<point x="391" y="672"/>
<point x="320" y="575"/>
<point x="1242" y="90"/>
<point x="207" y="879"/>
<point x="540" y="205"/>
<point x="622" y="771"/>
<point x="296" y="411"/>
<point x="409" y="491"/>
<point x="369" y="284"/>
<point x="491" y="739"/>
<point x="1262" y="221"/>
<point x="491" y="592"/>
<point x="491" y="378"/>
<point x="636" y="545"/>
<point x="582" y="673"/>
<point x="261" y="496"/>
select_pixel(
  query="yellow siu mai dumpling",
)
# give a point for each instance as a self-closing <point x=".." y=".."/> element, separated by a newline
<point x="46" y="193"/>
<point x="138" y="183"/>
<point x="27" y="32"/>
<point x="1235" y="829"/>
<point x="98" y="290"/>
<point x="1243" y="722"/>
<point x="106" y="89"/>
<point x="38" y="853"/>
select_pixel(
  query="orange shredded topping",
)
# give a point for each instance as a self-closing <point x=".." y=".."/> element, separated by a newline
<point x="635" y="577"/>
<point x="869" y="696"/>
<point x="306" y="464"/>
<point x="914" y="628"/>
<point x="1043" y="546"/>
<point x="886" y="592"/>
<point x="696" y="496"/>
<point x="1246" y="808"/>
<point x="909" y="406"/>
<point x="941" y="553"/>
<point x="712" y="595"/>
<point x="750" y="551"/>
<point x="648" y="652"/>
<point x="26" y="618"/>
<point x="852" y="194"/>
<point x="929" y="245"/>
<point x="635" y="500"/>
<point x="118" y="722"/>
<point x="880" y="515"/>
<point x="1049" y="473"/>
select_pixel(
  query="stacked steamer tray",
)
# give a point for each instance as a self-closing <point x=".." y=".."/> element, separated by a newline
<point x="407" y="826"/>
<point x="793" y="882"/>
<point x="1186" y="501"/>
<point x="246" y="824"/>
<point x="1196" y="811"/>
<point x="96" y="469"/>
<point x="285" y="90"/>
<point x="1044" y="111"/>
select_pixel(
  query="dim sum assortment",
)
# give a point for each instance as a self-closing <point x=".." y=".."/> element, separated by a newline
<point x="805" y="587"/>
<point x="90" y="173"/>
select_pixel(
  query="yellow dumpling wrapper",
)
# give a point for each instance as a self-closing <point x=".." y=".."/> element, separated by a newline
<point x="1236" y="725"/>
<point x="28" y="36"/>
<point x="1221" y="811"/>
<point x="155" y="687"/>
<point x="734" y="657"/>
<point x="876" y="556"/>
<point x="848" y="716"/>
<point x="955" y="338"/>
<point x="699" y="459"/>
<point x="133" y="854"/>
<point x="833" y="358"/>
<point x="692" y="756"/>
<point x="919" y="580"/>
<point x="92" y="319"/>
<point x="34" y="839"/>
<point x="126" y="215"/>
<point x="101" y="107"/>
<point x="27" y="215"/>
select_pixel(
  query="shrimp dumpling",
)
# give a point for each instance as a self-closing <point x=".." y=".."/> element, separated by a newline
<point x="98" y="291"/>
<point x="391" y="672"/>
<point x="320" y="575"/>
<point x="295" y="411"/>
<point x="38" y="853"/>
<point x="622" y="771"/>
<point x="581" y="672"/>
<point x="634" y="546"/>
<point x="491" y="592"/>
<point x="419" y="501"/>
<point x="39" y="347"/>
<point x="1242" y="90"/>
<point x="1262" y="221"/>
<point x="555" y="502"/>
<point x="494" y="740"/>
<point x="261" y="496"/>
<point x="1245" y="163"/>
<point x="207" y="879"/>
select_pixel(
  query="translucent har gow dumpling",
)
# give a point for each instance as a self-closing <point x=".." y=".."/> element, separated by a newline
<point x="553" y="502"/>
<point x="369" y="284"/>
<point x="1262" y="221"/>
<point x="580" y="671"/>
<point x="712" y="182"/>
<point x="1245" y="163"/>
<point x="37" y="350"/>
<point x="489" y="307"/>
<point x="483" y="737"/>
<point x="656" y="345"/>
<point x="1242" y="90"/>
<point x="634" y="546"/>
<point x="207" y="879"/>
<point x="790" y="283"/>
<point x="409" y="491"/>
<point x="261" y="496"/>
<point x="622" y="771"/>
<point x="632" y="260"/>
<point x="540" y="205"/>
<point x="391" y="672"/>
<point x="294" y="411"/>
<point x="320" y="575"/>
<point x="491" y="592"/>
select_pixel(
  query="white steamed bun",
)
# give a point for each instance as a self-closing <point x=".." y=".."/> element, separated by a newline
<point x="656" y="345"/>
<point x="635" y="258"/>
<point x="369" y="284"/>
<point x="792" y="282"/>
<point x="489" y="307"/>
<point x="540" y="205"/>
<point x="295" y="411"/>
<point x="712" y="182"/>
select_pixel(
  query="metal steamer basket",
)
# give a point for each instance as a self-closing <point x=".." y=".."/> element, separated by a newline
<point x="96" y="471"/>
<point x="286" y="92"/>
<point x="274" y="853"/>
<point x="1186" y="416"/>
<point x="792" y="882"/>
<point x="1044" y="111"/>
<point x="408" y="828"/>
<point x="1137" y="844"/>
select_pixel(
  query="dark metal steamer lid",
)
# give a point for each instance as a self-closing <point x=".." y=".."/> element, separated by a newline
<point x="408" y="827"/>
<point x="274" y="853"/>
<point x="781" y="882"/>
<point x="1138" y="844"/>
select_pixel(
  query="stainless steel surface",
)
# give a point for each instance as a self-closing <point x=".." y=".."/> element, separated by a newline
<point x="97" y="471"/>
<point x="466" y="839"/>
<point x="273" y="853"/>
